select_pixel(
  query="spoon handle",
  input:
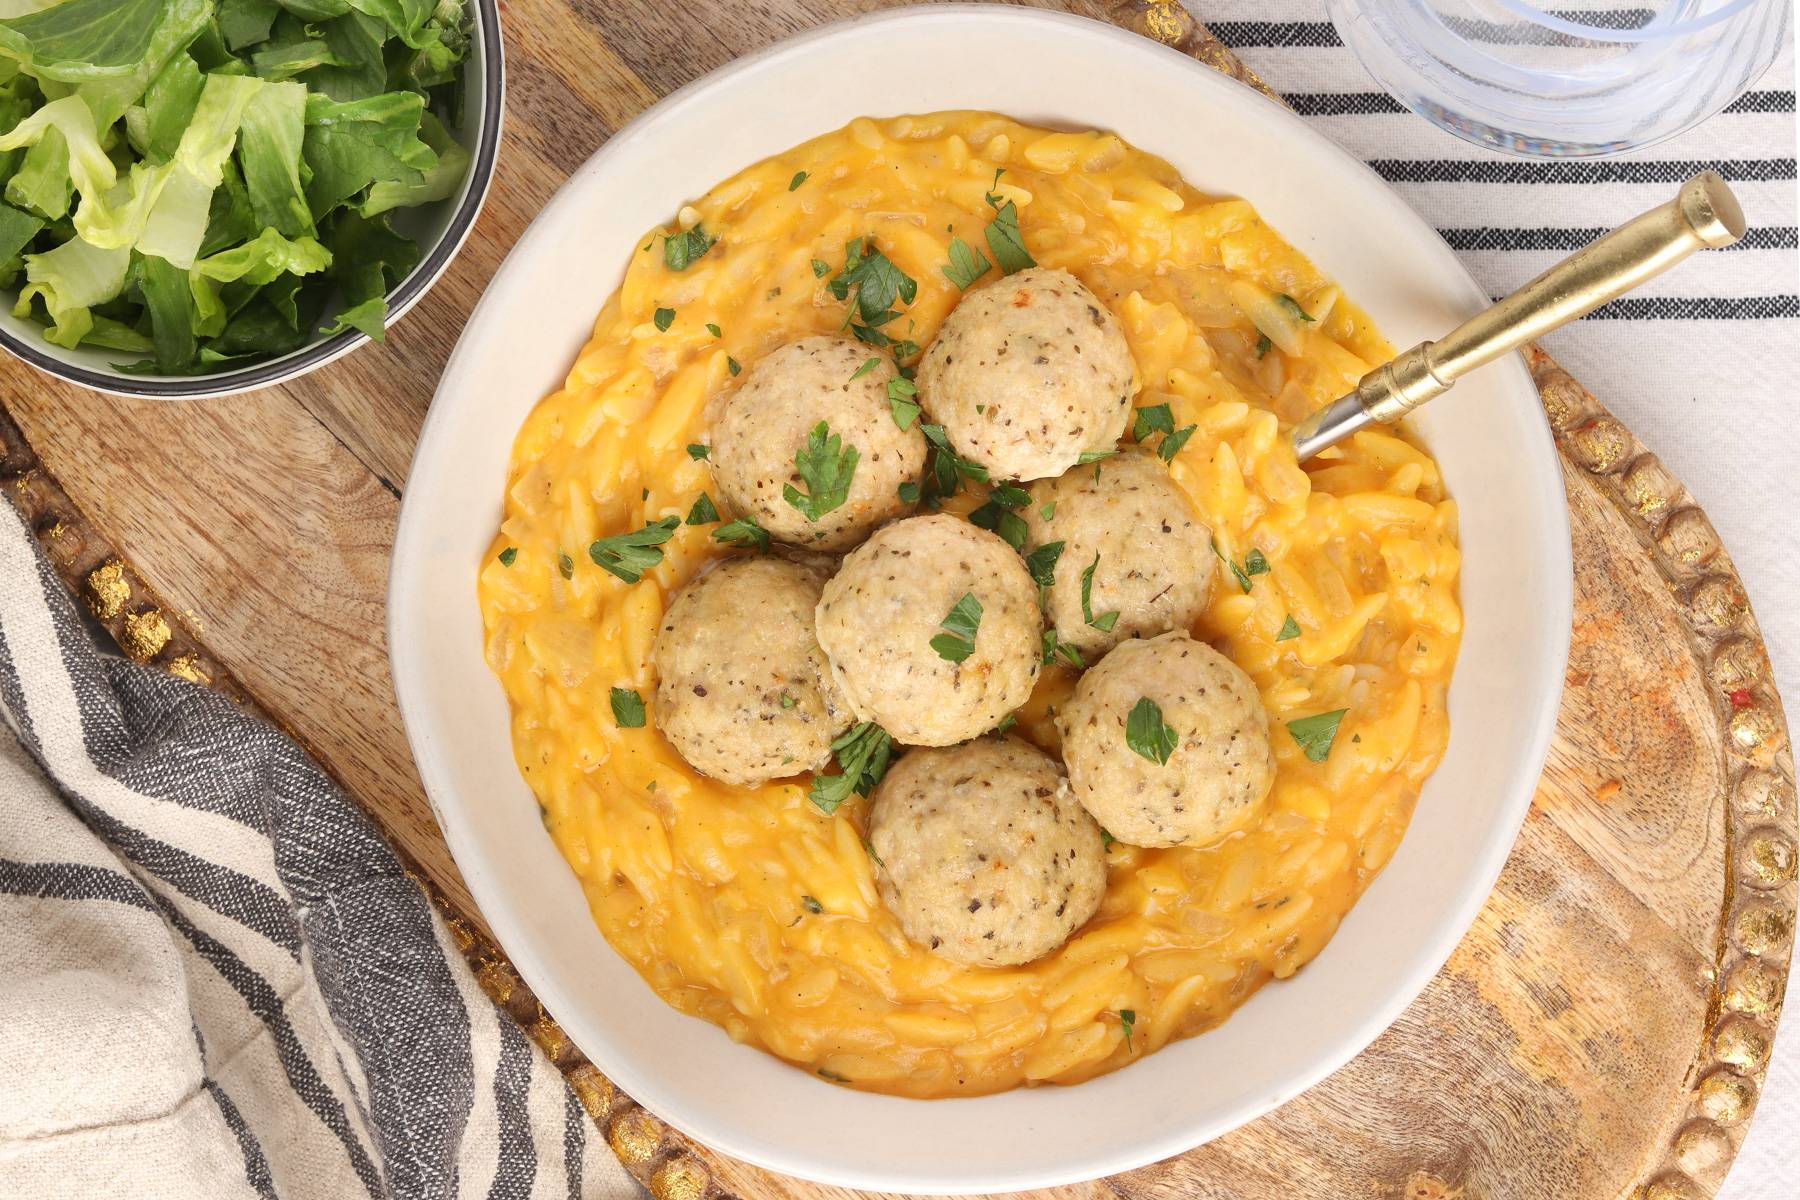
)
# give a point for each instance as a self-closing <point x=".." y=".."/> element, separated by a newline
<point x="1703" y="213"/>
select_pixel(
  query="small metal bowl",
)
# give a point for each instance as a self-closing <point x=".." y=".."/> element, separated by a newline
<point x="441" y="229"/>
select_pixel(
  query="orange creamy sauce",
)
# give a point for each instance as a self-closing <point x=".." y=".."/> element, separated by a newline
<point x="708" y="889"/>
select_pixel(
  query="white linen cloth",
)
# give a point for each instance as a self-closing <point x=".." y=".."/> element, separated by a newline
<point x="215" y="979"/>
<point x="1701" y="364"/>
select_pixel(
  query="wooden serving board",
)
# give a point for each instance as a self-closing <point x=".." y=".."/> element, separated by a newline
<point x="1604" y="1028"/>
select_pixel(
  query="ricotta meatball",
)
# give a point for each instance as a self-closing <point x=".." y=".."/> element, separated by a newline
<point x="985" y="857"/>
<point x="1151" y="555"/>
<point x="932" y="630"/>
<point x="1218" y="775"/>
<point x="765" y="424"/>
<point x="743" y="692"/>
<point x="1028" y="373"/>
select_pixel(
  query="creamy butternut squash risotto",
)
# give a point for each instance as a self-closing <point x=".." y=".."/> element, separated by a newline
<point x="1335" y="590"/>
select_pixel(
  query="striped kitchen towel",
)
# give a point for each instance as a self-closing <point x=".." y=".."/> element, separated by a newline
<point x="215" y="980"/>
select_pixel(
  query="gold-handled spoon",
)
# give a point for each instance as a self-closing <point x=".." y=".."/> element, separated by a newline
<point x="1703" y="213"/>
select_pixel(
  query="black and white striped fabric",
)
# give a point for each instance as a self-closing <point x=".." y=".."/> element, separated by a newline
<point x="215" y="980"/>
<point x="1700" y="363"/>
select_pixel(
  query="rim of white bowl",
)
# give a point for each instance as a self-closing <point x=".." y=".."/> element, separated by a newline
<point x="532" y="960"/>
<point x="406" y="293"/>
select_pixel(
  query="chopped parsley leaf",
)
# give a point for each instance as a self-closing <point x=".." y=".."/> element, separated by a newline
<point x="1009" y="525"/>
<point x="1007" y="722"/>
<point x="697" y="452"/>
<point x="826" y="466"/>
<point x="1241" y="574"/>
<point x="870" y="847"/>
<point x="1128" y="1019"/>
<point x="1055" y="648"/>
<point x="1293" y="306"/>
<point x="862" y="753"/>
<point x="811" y="905"/>
<point x="1255" y="563"/>
<point x="1172" y="443"/>
<point x="681" y="249"/>
<point x="565" y="566"/>
<point x="957" y="641"/>
<point x="1290" y="629"/>
<point x="869" y="364"/>
<point x="1158" y="418"/>
<point x="509" y="556"/>
<point x="1316" y="733"/>
<point x="1148" y="735"/>
<point x="798" y="179"/>
<point x="742" y="532"/>
<point x="703" y="512"/>
<point x="1048" y="511"/>
<point x="877" y="281"/>
<point x="664" y="318"/>
<point x="908" y="492"/>
<point x="822" y="1072"/>
<point x="1106" y="620"/>
<point x="629" y="555"/>
<point x="821" y="268"/>
<point x="1004" y="238"/>
<point x="787" y="700"/>
<point x="1107" y="840"/>
<point x="966" y="264"/>
<point x="902" y="402"/>
<point x="1042" y="563"/>
<point x="945" y="469"/>
<point x="1262" y="344"/>
<point x="1093" y="456"/>
<point x="714" y="330"/>
<point x="733" y="364"/>
<point x="627" y="708"/>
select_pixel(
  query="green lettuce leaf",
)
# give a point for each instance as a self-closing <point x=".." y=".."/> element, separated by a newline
<point x="361" y="70"/>
<point x="313" y="11"/>
<point x="41" y="181"/>
<point x="169" y="105"/>
<point x="351" y="145"/>
<point x="257" y="261"/>
<point x="405" y="17"/>
<point x="169" y="299"/>
<point x="72" y="279"/>
<point x="440" y="181"/>
<point x="246" y="22"/>
<point x="269" y="144"/>
<point x="369" y="258"/>
<point x="89" y="167"/>
<point x="16" y="231"/>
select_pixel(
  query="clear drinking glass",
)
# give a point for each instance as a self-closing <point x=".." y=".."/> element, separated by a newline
<point x="1578" y="79"/>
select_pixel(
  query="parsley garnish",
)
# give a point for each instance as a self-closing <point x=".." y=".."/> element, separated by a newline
<point x="1158" y="418"/>
<point x="966" y="264"/>
<point x="908" y="492"/>
<point x="958" y="640"/>
<point x="1315" y="734"/>
<point x="995" y="515"/>
<point x="869" y="364"/>
<point x="1093" y="456"/>
<point x="508" y="556"/>
<point x="714" y="330"/>
<point x="821" y="268"/>
<point x="862" y="753"/>
<point x="787" y="700"/>
<point x="811" y="905"/>
<point x="565" y="566"/>
<point x="798" y="179"/>
<point x="681" y="249"/>
<point x="742" y="532"/>
<point x="1127" y="1019"/>
<point x="1290" y="629"/>
<point x="1007" y="722"/>
<point x="664" y="318"/>
<point x="826" y="466"/>
<point x="1148" y="734"/>
<point x="1262" y="344"/>
<point x="628" y="708"/>
<point x="822" y="1072"/>
<point x="1106" y="620"/>
<point x="1055" y="647"/>
<point x="629" y="555"/>
<point x="1003" y="236"/>
<point x="1048" y="511"/>
<point x="697" y="452"/>
<point x="703" y="512"/>
<point x="870" y="847"/>
<point x="1254" y="564"/>
<point x="1107" y="840"/>
<point x="733" y="364"/>
<point x="1042" y="563"/>
<point x="1293" y="306"/>
<point x="1172" y="443"/>
<point x="901" y="402"/>
<point x="945" y="469"/>
<point x="878" y="284"/>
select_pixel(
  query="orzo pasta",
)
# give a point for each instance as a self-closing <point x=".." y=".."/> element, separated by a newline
<point x="1336" y="590"/>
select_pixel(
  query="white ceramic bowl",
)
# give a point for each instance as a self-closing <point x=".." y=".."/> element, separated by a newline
<point x="440" y="230"/>
<point x="1490" y="437"/>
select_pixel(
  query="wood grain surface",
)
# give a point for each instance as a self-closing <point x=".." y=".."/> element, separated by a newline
<point x="1602" y="1030"/>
